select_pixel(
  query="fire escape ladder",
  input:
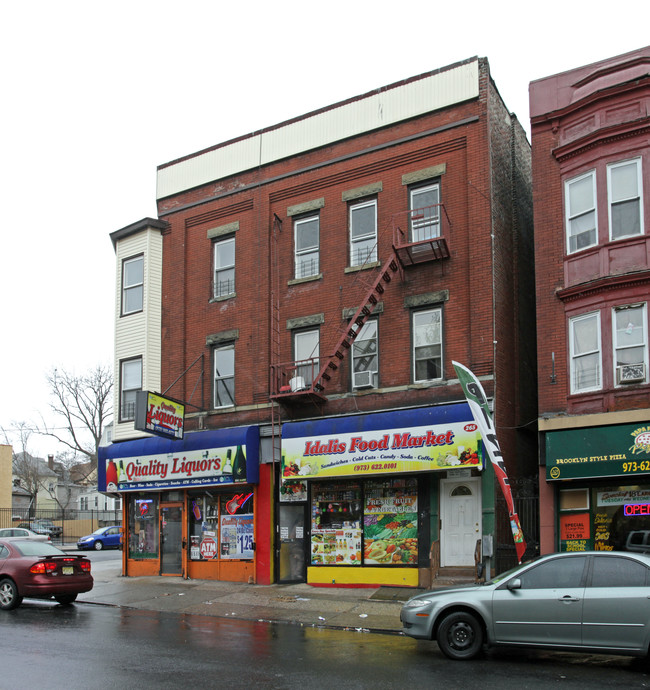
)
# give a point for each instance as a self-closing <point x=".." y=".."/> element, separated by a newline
<point x="382" y="280"/>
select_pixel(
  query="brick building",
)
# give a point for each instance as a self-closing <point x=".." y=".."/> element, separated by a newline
<point x="591" y="155"/>
<point x="316" y="280"/>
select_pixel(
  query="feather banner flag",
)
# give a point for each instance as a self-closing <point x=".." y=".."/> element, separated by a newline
<point x="481" y="412"/>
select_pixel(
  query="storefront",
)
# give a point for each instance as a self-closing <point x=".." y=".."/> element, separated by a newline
<point x="362" y="498"/>
<point x="601" y="476"/>
<point x="191" y="505"/>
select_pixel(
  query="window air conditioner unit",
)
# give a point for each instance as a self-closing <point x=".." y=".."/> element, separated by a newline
<point x="630" y="373"/>
<point x="363" y="379"/>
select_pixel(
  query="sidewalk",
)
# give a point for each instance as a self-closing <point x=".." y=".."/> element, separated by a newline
<point x="349" y="608"/>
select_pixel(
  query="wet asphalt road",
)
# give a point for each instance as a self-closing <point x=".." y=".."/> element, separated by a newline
<point x="90" y="646"/>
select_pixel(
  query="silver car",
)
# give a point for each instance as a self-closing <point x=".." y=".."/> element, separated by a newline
<point x="22" y="533"/>
<point x="594" y="601"/>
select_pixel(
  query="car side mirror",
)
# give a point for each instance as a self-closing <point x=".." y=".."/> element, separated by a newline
<point x="515" y="583"/>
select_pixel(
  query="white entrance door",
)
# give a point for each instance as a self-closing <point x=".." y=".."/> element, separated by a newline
<point x="460" y="511"/>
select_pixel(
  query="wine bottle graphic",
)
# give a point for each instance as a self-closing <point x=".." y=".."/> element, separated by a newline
<point x="121" y="476"/>
<point x="227" y="466"/>
<point x="111" y="476"/>
<point x="239" y="465"/>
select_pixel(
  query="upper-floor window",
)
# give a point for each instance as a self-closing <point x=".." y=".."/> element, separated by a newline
<point x="130" y="384"/>
<point x="425" y="212"/>
<point x="630" y="337"/>
<point x="132" y="285"/>
<point x="363" y="232"/>
<point x="224" y="376"/>
<point x="224" y="267"/>
<point x="365" y="363"/>
<point x="625" y="203"/>
<point x="580" y="209"/>
<point x="585" y="349"/>
<point x="306" y="349"/>
<point x="306" y="242"/>
<point x="427" y="345"/>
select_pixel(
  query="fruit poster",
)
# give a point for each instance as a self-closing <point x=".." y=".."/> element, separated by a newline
<point x="390" y="530"/>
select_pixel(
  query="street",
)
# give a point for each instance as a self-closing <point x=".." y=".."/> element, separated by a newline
<point x="109" y="647"/>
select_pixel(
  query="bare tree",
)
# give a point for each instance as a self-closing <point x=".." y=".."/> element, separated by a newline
<point x="83" y="404"/>
<point x="23" y="465"/>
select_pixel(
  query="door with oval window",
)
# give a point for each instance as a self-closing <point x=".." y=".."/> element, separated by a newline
<point x="460" y="513"/>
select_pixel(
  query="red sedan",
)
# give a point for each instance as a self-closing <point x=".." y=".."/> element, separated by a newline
<point x="41" y="571"/>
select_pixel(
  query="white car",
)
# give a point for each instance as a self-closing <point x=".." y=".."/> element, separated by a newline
<point x="22" y="533"/>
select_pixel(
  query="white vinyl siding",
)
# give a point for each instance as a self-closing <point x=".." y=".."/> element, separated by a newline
<point x="139" y="334"/>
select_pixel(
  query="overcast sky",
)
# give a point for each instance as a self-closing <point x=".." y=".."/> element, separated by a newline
<point x="96" y="95"/>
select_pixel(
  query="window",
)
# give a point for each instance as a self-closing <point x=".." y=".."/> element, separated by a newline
<point x="612" y="571"/>
<point x="306" y="356"/>
<point x="425" y="212"/>
<point x="364" y="357"/>
<point x="585" y="353"/>
<point x="630" y="343"/>
<point x="557" y="573"/>
<point x="143" y="537"/>
<point x="624" y="194"/>
<point x="306" y="238"/>
<point x="580" y="208"/>
<point x="427" y="345"/>
<point x="132" y="285"/>
<point x="363" y="233"/>
<point x="130" y="384"/>
<point x="224" y="376"/>
<point x="224" y="267"/>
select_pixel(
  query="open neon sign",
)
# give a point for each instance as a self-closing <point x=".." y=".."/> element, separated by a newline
<point x="631" y="509"/>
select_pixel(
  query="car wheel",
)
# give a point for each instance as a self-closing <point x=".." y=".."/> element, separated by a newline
<point x="98" y="546"/>
<point x="460" y="636"/>
<point x="66" y="598"/>
<point x="9" y="597"/>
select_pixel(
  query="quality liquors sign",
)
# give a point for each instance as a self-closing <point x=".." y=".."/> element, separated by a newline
<point x="160" y="416"/>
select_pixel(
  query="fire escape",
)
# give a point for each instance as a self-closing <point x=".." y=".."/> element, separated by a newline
<point x="418" y="237"/>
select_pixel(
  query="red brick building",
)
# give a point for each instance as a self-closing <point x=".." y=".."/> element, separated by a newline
<point x="591" y="155"/>
<point x="318" y="278"/>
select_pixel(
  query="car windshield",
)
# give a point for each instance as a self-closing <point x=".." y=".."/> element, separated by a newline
<point x="502" y="576"/>
<point x="101" y="530"/>
<point x="37" y="548"/>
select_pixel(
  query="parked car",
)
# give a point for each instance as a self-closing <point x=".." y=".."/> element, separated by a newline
<point x="35" y="527"/>
<point x="40" y="570"/>
<point x="42" y="527"/>
<point x="55" y="530"/>
<point x="102" y="538"/>
<point x="592" y="601"/>
<point x="22" y="533"/>
<point x="638" y="540"/>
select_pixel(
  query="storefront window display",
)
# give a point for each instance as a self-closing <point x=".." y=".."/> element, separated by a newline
<point x="390" y="522"/>
<point x="143" y="526"/>
<point x="221" y="526"/>
<point x="373" y="522"/>
<point x="605" y="518"/>
<point x="336" y="523"/>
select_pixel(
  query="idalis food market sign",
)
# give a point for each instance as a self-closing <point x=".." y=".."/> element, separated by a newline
<point x="416" y="449"/>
